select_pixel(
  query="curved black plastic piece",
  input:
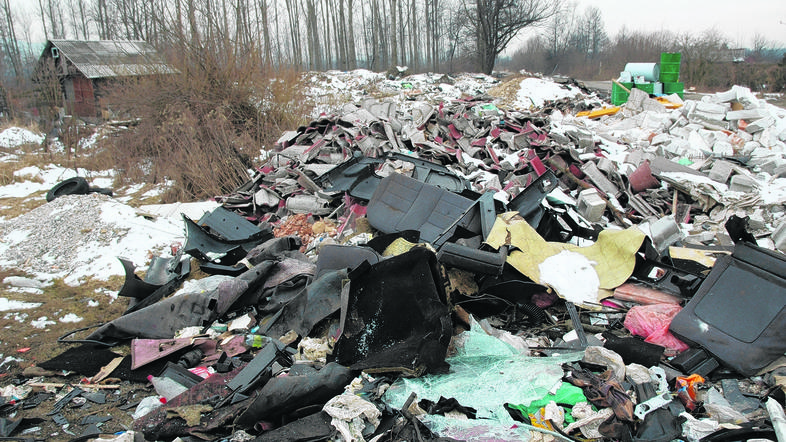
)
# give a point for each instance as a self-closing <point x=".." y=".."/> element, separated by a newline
<point x="134" y="286"/>
<point x="200" y="243"/>
<point x="102" y="190"/>
<point x="72" y="186"/>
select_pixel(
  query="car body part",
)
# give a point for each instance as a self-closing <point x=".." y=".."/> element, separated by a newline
<point x="646" y="407"/>
<point x="205" y="246"/>
<point x="745" y="339"/>
<point x="408" y="287"/>
<point x="472" y="259"/>
<point x="357" y="176"/>
<point x="335" y="257"/>
<point x="528" y="201"/>
<point x="402" y="203"/>
<point x="659" y="424"/>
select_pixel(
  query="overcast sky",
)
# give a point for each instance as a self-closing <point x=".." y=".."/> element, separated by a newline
<point x="738" y="20"/>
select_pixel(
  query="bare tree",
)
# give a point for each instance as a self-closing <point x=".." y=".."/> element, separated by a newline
<point x="496" y="22"/>
<point x="9" y="43"/>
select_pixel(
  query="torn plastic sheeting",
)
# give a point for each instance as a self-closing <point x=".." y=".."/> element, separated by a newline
<point x="285" y="394"/>
<point x="652" y="323"/>
<point x="485" y="374"/>
<point x="164" y="318"/>
<point x="395" y="317"/>
<point x="614" y="253"/>
<point x="351" y="414"/>
<point x="317" y="301"/>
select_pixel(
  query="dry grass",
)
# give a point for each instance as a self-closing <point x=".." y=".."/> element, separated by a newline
<point x="57" y="300"/>
<point x="505" y="92"/>
<point x="201" y="128"/>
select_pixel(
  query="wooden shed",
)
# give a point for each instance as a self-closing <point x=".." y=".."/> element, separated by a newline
<point x="85" y="69"/>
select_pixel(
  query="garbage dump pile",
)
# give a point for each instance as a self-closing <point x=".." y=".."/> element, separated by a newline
<point x="458" y="271"/>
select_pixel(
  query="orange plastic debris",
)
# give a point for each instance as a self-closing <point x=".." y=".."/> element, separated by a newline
<point x="667" y="103"/>
<point x="599" y="112"/>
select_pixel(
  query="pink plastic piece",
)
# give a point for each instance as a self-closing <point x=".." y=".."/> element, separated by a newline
<point x="644" y="295"/>
<point x="652" y="322"/>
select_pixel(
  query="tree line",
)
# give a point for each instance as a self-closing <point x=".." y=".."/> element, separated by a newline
<point x="308" y="34"/>
<point x="423" y="35"/>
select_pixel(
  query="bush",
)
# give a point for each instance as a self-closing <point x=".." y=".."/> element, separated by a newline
<point x="201" y="128"/>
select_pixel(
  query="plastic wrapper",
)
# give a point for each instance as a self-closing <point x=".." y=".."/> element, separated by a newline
<point x="485" y="374"/>
<point x="652" y="323"/>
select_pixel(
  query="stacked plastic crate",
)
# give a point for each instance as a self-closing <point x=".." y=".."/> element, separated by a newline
<point x="670" y="73"/>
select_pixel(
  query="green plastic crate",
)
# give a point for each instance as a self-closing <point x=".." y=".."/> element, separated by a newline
<point x="670" y="57"/>
<point x="674" y="88"/>
<point x="669" y="72"/>
<point x="618" y="94"/>
<point x="646" y="87"/>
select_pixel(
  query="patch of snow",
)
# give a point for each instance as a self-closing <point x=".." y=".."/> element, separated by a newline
<point x="17" y="136"/>
<point x="536" y="92"/>
<point x="71" y="317"/>
<point x="42" y="322"/>
<point x="8" y="305"/>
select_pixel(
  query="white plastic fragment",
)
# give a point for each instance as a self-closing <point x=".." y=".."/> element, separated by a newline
<point x="778" y="418"/>
<point x="350" y="414"/>
<point x="572" y="275"/>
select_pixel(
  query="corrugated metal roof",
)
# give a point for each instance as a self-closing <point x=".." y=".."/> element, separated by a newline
<point x="113" y="58"/>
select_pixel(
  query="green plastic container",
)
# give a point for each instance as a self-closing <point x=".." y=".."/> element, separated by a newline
<point x="670" y="57"/>
<point x="618" y="94"/>
<point x="646" y="87"/>
<point x="674" y="88"/>
<point x="669" y="72"/>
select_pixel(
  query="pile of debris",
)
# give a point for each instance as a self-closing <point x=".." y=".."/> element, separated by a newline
<point x="458" y="271"/>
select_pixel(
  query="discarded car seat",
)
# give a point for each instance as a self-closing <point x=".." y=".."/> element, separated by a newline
<point x="282" y="395"/>
<point x="396" y="317"/>
<point x="402" y="203"/>
<point x="738" y="313"/>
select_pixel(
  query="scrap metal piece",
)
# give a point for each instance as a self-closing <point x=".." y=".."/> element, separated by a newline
<point x="646" y="407"/>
